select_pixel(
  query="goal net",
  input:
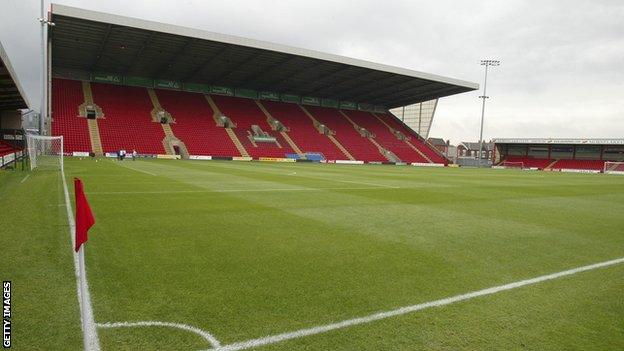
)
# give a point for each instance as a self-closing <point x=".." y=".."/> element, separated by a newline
<point x="614" y="167"/>
<point x="45" y="152"/>
<point x="509" y="164"/>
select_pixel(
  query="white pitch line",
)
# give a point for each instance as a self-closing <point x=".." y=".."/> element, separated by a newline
<point x="204" y="334"/>
<point x="134" y="169"/>
<point x="243" y="345"/>
<point x="280" y="172"/>
<point x="92" y="343"/>
<point x="26" y="177"/>
<point x="361" y="183"/>
<point x="231" y="190"/>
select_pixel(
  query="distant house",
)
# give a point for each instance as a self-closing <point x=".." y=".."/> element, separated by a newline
<point x="445" y="147"/>
<point x="439" y="144"/>
<point x="471" y="149"/>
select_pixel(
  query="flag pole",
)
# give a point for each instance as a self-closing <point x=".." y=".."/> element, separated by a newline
<point x="83" y="296"/>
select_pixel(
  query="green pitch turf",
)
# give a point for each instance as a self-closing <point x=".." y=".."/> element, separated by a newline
<point x="246" y="250"/>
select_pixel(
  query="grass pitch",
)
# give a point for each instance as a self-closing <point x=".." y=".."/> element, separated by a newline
<point x="246" y="250"/>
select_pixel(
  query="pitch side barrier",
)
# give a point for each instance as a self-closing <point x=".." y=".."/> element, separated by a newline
<point x="262" y="159"/>
<point x="11" y="159"/>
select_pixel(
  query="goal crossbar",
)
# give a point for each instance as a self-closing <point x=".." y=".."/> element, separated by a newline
<point x="613" y="167"/>
<point x="45" y="152"/>
<point x="510" y="164"/>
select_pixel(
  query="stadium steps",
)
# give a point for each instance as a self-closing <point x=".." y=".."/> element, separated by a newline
<point x="330" y="137"/>
<point x="94" y="135"/>
<point x="88" y="102"/>
<point x="284" y="134"/>
<point x="154" y="98"/>
<point x="433" y="154"/>
<point x="94" y="130"/>
<point x="551" y="164"/>
<point x="397" y="133"/>
<point x="170" y="141"/>
<point x="216" y="114"/>
<point x="406" y="140"/>
<point x="353" y="139"/>
<point x="418" y="150"/>
<point x="389" y="155"/>
<point x="301" y="131"/>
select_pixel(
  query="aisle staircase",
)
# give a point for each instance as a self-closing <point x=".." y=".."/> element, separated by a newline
<point x="94" y="130"/>
<point x="328" y="135"/>
<point x="94" y="135"/>
<point x="389" y="155"/>
<point x="170" y="141"/>
<point x="403" y="138"/>
<point x="216" y="115"/>
<point x="418" y="150"/>
<point x="397" y="133"/>
<point x="272" y="121"/>
<point x="551" y="164"/>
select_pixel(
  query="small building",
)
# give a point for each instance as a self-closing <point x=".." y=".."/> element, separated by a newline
<point x="560" y="154"/>
<point x="471" y="150"/>
<point x="445" y="147"/>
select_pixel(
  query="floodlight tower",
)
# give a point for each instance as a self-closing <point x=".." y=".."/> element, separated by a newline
<point x="486" y="63"/>
<point x="44" y="84"/>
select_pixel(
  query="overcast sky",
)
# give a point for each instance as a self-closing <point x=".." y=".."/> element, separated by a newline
<point x="562" y="71"/>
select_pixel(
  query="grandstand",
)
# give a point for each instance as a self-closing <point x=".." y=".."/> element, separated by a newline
<point x="122" y="83"/>
<point x="12" y="100"/>
<point x="286" y="254"/>
<point x="566" y="155"/>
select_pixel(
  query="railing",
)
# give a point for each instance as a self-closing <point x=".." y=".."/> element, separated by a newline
<point x="15" y="137"/>
<point x="11" y="160"/>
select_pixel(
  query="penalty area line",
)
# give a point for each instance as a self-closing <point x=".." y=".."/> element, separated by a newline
<point x="204" y="334"/>
<point x="133" y="169"/>
<point x="232" y="190"/>
<point x="267" y="340"/>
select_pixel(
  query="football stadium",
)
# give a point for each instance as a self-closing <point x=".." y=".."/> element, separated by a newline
<point x="189" y="190"/>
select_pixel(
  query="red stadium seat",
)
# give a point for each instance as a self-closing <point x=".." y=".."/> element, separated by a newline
<point x="245" y="113"/>
<point x="302" y="130"/>
<point x="194" y="124"/>
<point x="359" y="147"/>
<point x="66" y="97"/>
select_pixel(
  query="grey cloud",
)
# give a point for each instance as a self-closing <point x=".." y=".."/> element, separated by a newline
<point x="561" y="69"/>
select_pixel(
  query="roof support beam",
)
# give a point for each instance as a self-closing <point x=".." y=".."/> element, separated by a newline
<point x="254" y="79"/>
<point x="367" y="87"/>
<point x="166" y="67"/>
<point x="139" y="52"/>
<point x="100" y="51"/>
<point x="433" y="94"/>
<point x="392" y="90"/>
<point x="294" y="77"/>
<point x="207" y="63"/>
<point x="236" y="68"/>
<point x="334" y="85"/>
<point x="331" y="84"/>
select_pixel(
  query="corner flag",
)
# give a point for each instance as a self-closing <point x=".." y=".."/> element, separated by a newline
<point x="84" y="216"/>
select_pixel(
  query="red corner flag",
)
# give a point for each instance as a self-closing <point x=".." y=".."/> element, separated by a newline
<point x="84" y="216"/>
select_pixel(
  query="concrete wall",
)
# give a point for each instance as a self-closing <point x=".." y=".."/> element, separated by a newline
<point x="10" y="119"/>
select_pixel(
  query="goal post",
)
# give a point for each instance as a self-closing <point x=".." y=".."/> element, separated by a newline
<point x="45" y="152"/>
<point x="509" y="164"/>
<point x="611" y="167"/>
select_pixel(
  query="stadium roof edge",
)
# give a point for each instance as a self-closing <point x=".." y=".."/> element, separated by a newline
<point x="445" y="86"/>
<point x="11" y="93"/>
<point x="575" y="141"/>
